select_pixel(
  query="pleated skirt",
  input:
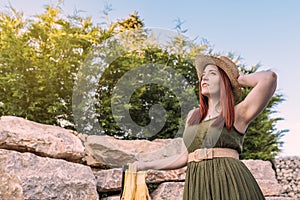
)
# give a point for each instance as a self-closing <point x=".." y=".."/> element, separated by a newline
<point x="220" y="179"/>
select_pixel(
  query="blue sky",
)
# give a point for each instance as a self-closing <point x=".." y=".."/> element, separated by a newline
<point x="260" y="31"/>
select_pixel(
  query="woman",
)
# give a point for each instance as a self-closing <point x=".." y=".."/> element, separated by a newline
<point x="214" y="132"/>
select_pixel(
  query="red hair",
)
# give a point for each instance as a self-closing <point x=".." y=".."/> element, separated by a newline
<point x="226" y="116"/>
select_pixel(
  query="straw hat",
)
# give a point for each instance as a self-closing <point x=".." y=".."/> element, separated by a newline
<point x="226" y="65"/>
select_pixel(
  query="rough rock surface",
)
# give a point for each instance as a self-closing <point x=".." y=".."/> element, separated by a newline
<point x="288" y="175"/>
<point x="169" y="190"/>
<point x="27" y="176"/>
<point x="110" y="179"/>
<point x="50" y="170"/>
<point x="265" y="176"/>
<point x="49" y="141"/>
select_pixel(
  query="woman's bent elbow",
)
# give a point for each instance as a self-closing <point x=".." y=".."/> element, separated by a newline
<point x="273" y="75"/>
<point x="271" y="78"/>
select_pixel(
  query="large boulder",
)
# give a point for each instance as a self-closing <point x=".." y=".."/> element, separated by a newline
<point x="27" y="176"/>
<point x="45" y="140"/>
<point x="265" y="176"/>
<point x="106" y="151"/>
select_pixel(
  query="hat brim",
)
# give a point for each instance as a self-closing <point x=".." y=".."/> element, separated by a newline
<point x="226" y="65"/>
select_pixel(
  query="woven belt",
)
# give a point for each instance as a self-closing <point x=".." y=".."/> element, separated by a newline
<point x="210" y="153"/>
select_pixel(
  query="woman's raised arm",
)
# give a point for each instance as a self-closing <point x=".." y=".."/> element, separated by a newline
<point x="263" y="85"/>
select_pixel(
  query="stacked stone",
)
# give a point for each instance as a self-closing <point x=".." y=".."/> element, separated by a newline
<point x="288" y="175"/>
<point x="40" y="161"/>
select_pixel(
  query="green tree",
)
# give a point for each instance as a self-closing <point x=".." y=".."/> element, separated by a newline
<point x="132" y="22"/>
<point x="147" y="95"/>
<point x="176" y="55"/>
<point x="39" y="62"/>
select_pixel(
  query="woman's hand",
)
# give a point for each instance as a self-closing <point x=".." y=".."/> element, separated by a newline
<point x="240" y="78"/>
<point x="140" y="166"/>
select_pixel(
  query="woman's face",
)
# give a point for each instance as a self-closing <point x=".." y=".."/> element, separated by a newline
<point x="210" y="81"/>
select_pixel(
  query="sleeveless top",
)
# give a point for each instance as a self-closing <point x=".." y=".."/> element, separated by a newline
<point x="204" y="135"/>
<point x="222" y="178"/>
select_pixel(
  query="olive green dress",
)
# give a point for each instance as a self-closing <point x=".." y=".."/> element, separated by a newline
<point x="217" y="178"/>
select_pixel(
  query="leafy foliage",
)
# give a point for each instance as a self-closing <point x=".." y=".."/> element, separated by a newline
<point x="147" y="95"/>
<point x="39" y="61"/>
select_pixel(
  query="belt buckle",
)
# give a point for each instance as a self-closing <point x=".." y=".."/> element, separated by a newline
<point x="203" y="154"/>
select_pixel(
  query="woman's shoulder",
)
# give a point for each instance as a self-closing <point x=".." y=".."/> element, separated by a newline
<point x="192" y="111"/>
<point x="191" y="114"/>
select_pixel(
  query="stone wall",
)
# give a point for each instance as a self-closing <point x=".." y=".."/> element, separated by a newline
<point x="288" y="175"/>
<point x="39" y="161"/>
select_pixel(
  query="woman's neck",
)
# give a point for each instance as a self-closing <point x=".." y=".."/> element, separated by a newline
<point x="214" y="108"/>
